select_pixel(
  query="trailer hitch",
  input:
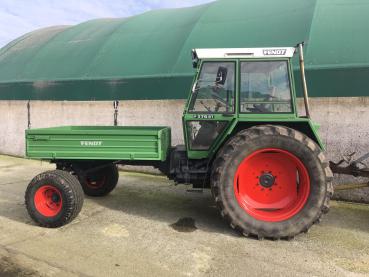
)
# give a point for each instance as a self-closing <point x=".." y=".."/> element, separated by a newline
<point x="356" y="168"/>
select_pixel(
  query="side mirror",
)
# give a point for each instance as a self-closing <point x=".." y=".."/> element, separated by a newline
<point x="194" y="87"/>
<point x="195" y="59"/>
<point x="221" y="75"/>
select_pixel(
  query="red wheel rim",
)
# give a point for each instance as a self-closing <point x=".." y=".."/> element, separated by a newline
<point x="48" y="201"/>
<point x="272" y="185"/>
<point x="96" y="182"/>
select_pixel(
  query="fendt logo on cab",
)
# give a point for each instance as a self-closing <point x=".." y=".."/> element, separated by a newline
<point x="277" y="52"/>
<point x="91" y="143"/>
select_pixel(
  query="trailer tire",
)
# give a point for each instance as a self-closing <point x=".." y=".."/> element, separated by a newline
<point x="251" y="198"/>
<point x="100" y="182"/>
<point x="54" y="198"/>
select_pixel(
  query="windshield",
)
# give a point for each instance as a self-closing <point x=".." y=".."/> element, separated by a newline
<point x="215" y="87"/>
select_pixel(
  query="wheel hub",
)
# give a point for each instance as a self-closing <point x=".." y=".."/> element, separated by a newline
<point x="95" y="182"/>
<point x="267" y="180"/>
<point x="48" y="200"/>
<point x="55" y="197"/>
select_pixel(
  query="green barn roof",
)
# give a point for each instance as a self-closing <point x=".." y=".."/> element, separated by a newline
<point x="148" y="56"/>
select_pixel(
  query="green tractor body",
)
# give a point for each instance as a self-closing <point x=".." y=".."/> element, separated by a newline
<point x="243" y="139"/>
<point x="254" y="91"/>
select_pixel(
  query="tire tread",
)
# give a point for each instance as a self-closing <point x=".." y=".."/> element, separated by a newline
<point x="228" y="150"/>
<point x="72" y="205"/>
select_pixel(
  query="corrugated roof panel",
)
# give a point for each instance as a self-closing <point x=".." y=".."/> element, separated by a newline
<point x="148" y="56"/>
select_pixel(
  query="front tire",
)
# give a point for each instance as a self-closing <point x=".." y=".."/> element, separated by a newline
<point x="54" y="198"/>
<point x="271" y="181"/>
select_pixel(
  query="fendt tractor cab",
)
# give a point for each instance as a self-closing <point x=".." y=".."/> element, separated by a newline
<point x="243" y="139"/>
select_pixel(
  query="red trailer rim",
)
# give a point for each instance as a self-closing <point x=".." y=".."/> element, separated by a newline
<point x="96" y="182"/>
<point x="48" y="200"/>
<point x="272" y="185"/>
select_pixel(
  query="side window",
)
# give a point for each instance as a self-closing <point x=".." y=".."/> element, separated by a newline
<point x="215" y="88"/>
<point x="265" y="87"/>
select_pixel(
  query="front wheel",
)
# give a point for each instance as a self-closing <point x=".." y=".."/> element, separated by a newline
<point x="271" y="181"/>
<point x="54" y="198"/>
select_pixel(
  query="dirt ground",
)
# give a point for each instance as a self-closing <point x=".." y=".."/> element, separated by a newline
<point x="149" y="227"/>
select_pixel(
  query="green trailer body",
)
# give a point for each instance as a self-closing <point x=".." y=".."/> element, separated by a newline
<point x="98" y="143"/>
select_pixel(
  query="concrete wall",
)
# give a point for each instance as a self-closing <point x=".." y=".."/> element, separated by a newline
<point x="344" y="123"/>
<point x="344" y="130"/>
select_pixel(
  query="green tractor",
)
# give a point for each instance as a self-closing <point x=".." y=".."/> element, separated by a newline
<point x="243" y="139"/>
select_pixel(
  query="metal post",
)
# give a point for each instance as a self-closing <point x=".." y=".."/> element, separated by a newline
<point x="29" y="114"/>
<point x="303" y="79"/>
<point x="115" y="105"/>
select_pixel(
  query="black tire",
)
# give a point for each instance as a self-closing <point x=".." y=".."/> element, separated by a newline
<point x="69" y="192"/>
<point x="100" y="182"/>
<point x="247" y="142"/>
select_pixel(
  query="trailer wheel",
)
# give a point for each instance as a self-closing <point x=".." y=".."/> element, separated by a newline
<point x="54" y="198"/>
<point x="100" y="182"/>
<point x="271" y="182"/>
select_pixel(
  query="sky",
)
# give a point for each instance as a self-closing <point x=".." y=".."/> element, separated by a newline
<point x="18" y="17"/>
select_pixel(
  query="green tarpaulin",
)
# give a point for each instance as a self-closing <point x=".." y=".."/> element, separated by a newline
<point x="148" y="56"/>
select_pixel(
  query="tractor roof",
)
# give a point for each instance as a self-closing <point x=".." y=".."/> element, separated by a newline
<point x="221" y="53"/>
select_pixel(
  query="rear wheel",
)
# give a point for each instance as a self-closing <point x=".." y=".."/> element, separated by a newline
<point x="54" y="198"/>
<point x="100" y="182"/>
<point x="271" y="181"/>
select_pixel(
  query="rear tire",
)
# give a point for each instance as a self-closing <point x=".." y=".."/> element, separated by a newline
<point x="100" y="182"/>
<point x="271" y="182"/>
<point x="54" y="198"/>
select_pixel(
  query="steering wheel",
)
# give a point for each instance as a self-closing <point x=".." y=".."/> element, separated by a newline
<point x="206" y="107"/>
<point x="216" y="108"/>
<point x="219" y="99"/>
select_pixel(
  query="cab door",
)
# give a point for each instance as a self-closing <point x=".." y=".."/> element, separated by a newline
<point x="211" y="107"/>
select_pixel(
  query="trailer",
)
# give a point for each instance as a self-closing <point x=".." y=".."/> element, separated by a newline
<point x="244" y="140"/>
<point x="98" y="143"/>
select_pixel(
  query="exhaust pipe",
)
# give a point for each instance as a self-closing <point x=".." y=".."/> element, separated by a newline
<point x="303" y="79"/>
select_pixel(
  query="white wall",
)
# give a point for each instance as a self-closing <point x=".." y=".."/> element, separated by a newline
<point x="344" y="123"/>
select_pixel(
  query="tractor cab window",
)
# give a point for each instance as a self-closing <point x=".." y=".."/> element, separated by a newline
<point x="265" y="87"/>
<point x="214" y="90"/>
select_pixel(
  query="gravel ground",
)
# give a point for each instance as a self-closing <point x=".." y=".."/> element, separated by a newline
<point x="149" y="227"/>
